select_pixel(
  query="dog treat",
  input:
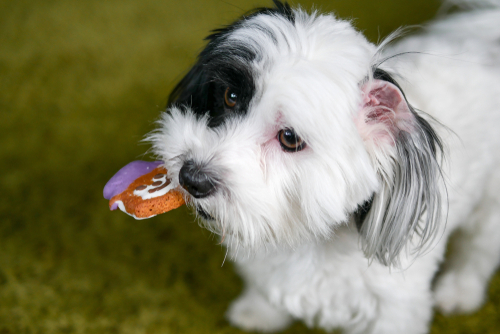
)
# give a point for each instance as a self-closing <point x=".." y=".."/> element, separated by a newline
<point x="141" y="189"/>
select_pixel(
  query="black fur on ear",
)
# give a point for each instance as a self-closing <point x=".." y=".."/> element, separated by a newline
<point x="221" y="65"/>
<point x="193" y="90"/>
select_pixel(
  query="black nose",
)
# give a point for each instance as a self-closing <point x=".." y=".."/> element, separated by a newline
<point x="195" y="181"/>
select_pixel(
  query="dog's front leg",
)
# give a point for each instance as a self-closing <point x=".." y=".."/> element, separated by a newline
<point x="401" y="302"/>
<point x="397" y="319"/>
<point x="251" y="311"/>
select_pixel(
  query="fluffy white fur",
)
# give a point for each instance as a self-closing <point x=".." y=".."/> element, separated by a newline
<point x="287" y="218"/>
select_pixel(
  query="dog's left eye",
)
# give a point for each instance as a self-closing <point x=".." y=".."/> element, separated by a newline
<point x="230" y="98"/>
<point x="289" y="140"/>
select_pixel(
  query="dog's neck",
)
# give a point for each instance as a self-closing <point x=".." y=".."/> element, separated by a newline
<point x="361" y="212"/>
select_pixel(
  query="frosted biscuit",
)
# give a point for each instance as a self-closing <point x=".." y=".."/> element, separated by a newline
<point x="142" y="190"/>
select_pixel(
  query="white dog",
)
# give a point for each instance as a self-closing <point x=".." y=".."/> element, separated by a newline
<point x="335" y="170"/>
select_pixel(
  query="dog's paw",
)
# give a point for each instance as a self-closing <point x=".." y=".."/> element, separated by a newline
<point x="251" y="312"/>
<point x="459" y="293"/>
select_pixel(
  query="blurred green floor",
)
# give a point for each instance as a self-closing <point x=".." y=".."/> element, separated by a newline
<point x="81" y="82"/>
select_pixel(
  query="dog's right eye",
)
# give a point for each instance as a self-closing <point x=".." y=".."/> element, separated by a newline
<point x="230" y="98"/>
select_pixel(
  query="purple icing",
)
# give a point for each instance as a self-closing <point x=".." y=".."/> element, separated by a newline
<point x="125" y="176"/>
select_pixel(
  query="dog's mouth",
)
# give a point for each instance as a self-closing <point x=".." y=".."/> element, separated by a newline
<point x="203" y="214"/>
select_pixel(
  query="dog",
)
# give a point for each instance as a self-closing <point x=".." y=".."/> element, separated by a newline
<point x="335" y="170"/>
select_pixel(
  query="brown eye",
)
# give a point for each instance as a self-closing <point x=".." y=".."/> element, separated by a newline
<point x="289" y="141"/>
<point x="230" y="98"/>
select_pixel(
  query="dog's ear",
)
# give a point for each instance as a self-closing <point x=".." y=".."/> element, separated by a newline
<point x="403" y="147"/>
<point x="193" y="91"/>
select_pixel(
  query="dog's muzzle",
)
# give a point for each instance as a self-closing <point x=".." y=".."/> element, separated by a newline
<point x="197" y="182"/>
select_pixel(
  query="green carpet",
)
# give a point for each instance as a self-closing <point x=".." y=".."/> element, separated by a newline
<point x="81" y="83"/>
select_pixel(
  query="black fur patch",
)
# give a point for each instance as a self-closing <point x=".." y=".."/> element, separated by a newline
<point x="221" y="66"/>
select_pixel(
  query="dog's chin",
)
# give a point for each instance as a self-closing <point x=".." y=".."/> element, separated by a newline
<point x="203" y="214"/>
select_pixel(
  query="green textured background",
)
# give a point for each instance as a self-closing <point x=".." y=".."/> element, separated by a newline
<point x="81" y="82"/>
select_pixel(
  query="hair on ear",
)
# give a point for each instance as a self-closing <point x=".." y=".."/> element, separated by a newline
<point x="196" y="89"/>
<point x="193" y="91"/>
<point x="404" y="149"/>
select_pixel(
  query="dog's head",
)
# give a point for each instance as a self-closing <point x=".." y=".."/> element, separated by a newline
<point x="284" y="130"/>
